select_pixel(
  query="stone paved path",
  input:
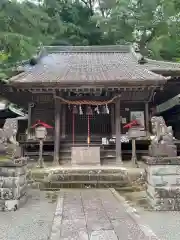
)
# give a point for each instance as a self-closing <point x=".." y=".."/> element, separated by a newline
<point x="93" y="214"/>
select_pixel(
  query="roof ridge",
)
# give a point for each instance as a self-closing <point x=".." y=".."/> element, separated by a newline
<point x="93" y="48"/>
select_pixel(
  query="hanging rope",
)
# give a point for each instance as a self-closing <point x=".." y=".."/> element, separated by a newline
<point x="86" y="102"/>
<point x="88" y="138"/>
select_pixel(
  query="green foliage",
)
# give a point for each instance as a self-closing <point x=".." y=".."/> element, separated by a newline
<point x="153" y="24"/>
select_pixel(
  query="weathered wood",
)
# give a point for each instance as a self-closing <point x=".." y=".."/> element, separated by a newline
<point x="57" y="132"/>
<point x="63" y="121"/>
<point x="41" y="162"/>
<point x="30" y="106"/>
<point x="112" y="119"/>
<point x="118" y="132"/>
<point x="147" y="116"/>
<point x="134" y="157"/>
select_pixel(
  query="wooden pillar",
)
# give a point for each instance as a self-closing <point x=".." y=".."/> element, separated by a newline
<point x="134" y="156"/>
<point x="118" y="132"/>
<point x="147" y="117"/>
<point x="63" y="121"/>
<point x="112" y="119"/>
<point x="30" y="105"/>
<point x="57" y="131"/>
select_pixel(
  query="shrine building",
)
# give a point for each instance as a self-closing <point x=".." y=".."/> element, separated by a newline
<point x="87" y="93"/>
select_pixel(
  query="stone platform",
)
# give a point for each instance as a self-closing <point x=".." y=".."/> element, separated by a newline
<point x="163" y="183"/>
<point x="81" y="177"/>
<point x="92" y="214"/>
<point x="13" y="184"/>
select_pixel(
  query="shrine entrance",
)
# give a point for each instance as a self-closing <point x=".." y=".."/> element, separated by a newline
<point x="99" y="123"/>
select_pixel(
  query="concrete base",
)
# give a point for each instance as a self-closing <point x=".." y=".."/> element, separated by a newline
<point x="13" y="204"/>
<point x="163" y="187"/>
<point x="85" y="156"/>
<point x="13" y="184"/>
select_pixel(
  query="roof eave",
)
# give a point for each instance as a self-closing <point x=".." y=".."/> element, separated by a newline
<point x="105" y="83"/>
<point x="166" y="72"/>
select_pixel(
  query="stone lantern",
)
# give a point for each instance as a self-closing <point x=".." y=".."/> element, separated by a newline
<point x="134" y="131"/>
<point x="40" y="134"/>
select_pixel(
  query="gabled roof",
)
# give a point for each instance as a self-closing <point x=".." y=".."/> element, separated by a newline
<point x="68" y="65"/>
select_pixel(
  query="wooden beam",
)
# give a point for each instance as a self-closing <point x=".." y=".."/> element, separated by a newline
<point x="30" y="106"/>
<point x="64" y="121"/>
<point x="118" y="132"/>
<point x="112" y="119"/>
<point x="57" y="132"/>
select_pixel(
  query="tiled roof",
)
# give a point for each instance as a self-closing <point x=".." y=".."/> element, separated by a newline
<point x="154" y="65"/>
<point x="87" y="64"/>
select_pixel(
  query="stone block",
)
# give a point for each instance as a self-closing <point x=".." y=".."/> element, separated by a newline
<point x="12" y="205"/>
<point x="12" y="182"/>
<point x="163" y="180"/>
<point x="164" y="204"/>
<point x="160" y="170"/>
<point x="85" y="155"/>
<point x="12" y="193"/>
<point x="159" y="160"/>
<point x="12" y="172"/>
<point x="19" y="162"/>
<point x="163" y="192"/>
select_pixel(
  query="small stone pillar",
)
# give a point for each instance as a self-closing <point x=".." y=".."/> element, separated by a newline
<point x="163" y="183"/>
<point x="13" y="183"/>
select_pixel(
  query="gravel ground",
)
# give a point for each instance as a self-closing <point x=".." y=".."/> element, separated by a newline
<point x="164" y="224"/>
<point x="32" y="221"/>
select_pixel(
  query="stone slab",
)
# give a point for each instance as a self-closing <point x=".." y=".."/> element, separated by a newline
<point x="166" y="180"/>
<point x="103" y="235"/>
<point x="160" y="170"/>
<point x="13" y="162"/>
<point x="14" y="204"/>
<point x="12" y="182"/>
<point x="85" y="155"/>
<point x="163" y="192"/>
<point x="12" y="193"/>
<point x="88" y="177"/>
<point x="161" y="160"/>
<point x="12" y="172"/>
<point x="91" y="217"/>
<point x="164" y="204"/>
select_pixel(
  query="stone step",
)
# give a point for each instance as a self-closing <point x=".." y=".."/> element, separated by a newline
<point x="65" y="157"/>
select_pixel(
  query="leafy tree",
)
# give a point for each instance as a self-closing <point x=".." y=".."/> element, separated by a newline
<point x="154" y="25"/>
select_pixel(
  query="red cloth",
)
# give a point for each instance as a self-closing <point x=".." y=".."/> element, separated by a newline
<point x="39" y="123"/>
<point x="131" y="124"/>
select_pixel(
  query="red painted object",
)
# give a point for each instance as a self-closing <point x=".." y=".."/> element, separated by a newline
<point x="39" y="123"/>
<point x="132" y="124"/>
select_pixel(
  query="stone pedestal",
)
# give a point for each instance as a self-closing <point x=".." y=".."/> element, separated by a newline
<point x="163" y="183"/>
<point x="13" y="184"/>
<point x="85" y="155"/>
